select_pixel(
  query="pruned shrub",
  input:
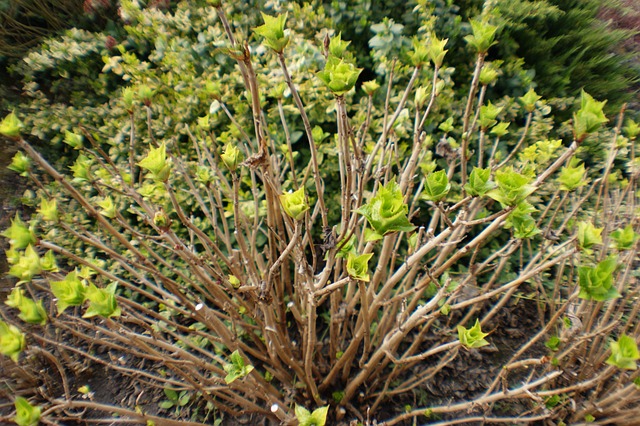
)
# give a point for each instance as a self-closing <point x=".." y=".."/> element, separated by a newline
<point x="314" y="249"/>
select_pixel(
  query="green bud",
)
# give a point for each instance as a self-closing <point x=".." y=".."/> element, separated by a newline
<point x="19" y="235"/>
<point x="68" y="292"/>
<point x="387" y="211"/>
<point x="436" y="186"/>
<point x="74" y="140"/>
<point x="589" y="117"/>
<point x="338" y="47"/>
<point x="294" y="204"/>
<point x="26" y="414"/>
<point x="234" y="281"/>
<point x="108" y="208"/>
<point x="529" y="100"/>
<point x="488" y="114"/>
<point x="624" y="353"/>
<point x="632" y="129"/>
<point x="49" y="210"/>
<point x="161" y="220"/>
<point x="203" y="175"/>
<point x="437" y="50"/>
<point x="588" y="235"/>
<point x="203" y="122"/>
<point x="358" y="266"/>
<point x="27" y="265"/>
<point x="273" y="32"/>
<point x="102" y="301"/>
<point x="237" y="369"/>
<point x="625" y="238"/>
<point x="231" y="157"/>
<point x="596" y="283"/>
<point x="488" y="74"/>
<point x="339" y="76"/>
<point x="512" y="188"/>
<point x="422" y="95"/>
<point x="156" y="162"/>
<point x="473" y="337"/>
<point x="572" y="178"/>
<point x="479" y="184"/>
<point x="482" y="37"/>
<point x="127" y="98"/>
<point x="82" y="169"/>
<point x="20" y="164"/>
<point x="30" y="311"/>
<point x="12" y="341"/>
<point x="370" y="87"/>
<point x="306" y="418"/>
<point x="48" y="262"/>
<point x="11" y="126"/>
<point x="419" y="54"/>
<point x="145" y="93"/>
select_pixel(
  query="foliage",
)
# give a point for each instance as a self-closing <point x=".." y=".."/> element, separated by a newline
<point x="264" y="236"/>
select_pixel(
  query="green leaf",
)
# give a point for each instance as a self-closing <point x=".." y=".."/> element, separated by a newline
<point x="74" y="140"/>
<point x="49" y="209"/>
<point x="589" y="117"/>
<point x="82" y="169"/>
<point x="387" y="211"/>
<point x="488" y="114"/>
<point x="156" y="162"/>
<point x="102" y="301"/>
<point x="68" y="292"/>
<point x="437" y="50"/>
<point x="11" y="126"/>
<point x="512" y="189"/>
<point x="26" y="414"/>
<point x="237" y="368"/>
<point x="625" y="238"/>
<point x="632" y="129"/>
<point x="21" y="164"/>
<point x="19" y="235"/>
<point x="529" y="99"/>
<point x="231" y="157"/>
<point x="572" y="178"/>
<point x="338" y="47"/>
<point x="306" y="418"/>
<point x="482" y="37"/>
<point x="171" y="394"/>
<point x="473" y="337"/>
<point x="479" y="184"/>
<point x="273" y="32"/>
<point x="339" y="76"/>
<point x="369" y="87"/>
<point x="12" y="341"/>
<point x="436" y="186"/>
<point x="588" y="235"/>
<point x="294" y="204"/>
<point x="597" y="283"/>
<point x="30" y="311"/>
<point x="27" y="265"/>
<point x="624" y="353"/>
<point x="358" y="266"/>
<point x="165" y="405"/>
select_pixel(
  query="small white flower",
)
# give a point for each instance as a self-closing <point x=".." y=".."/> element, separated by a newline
<point x="199" y="306"/>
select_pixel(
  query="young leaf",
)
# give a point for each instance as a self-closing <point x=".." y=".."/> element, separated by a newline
<point x="231" y="157"/>
<point x="624" y="353"/>
<point x="588" y="235"/>
<point x="482" y="37"/>
<point x="156" y="162"/>
<point x="597" y="283"/>
<point x="30" y="311"/>
<point x="387" y="212"/>
<point x="436" y="186"/>
<point x="358" y="266"/>
<point x="589" y="117"/>
<point x="27" y="265"/>
<point x="306" y="418"/>
<point x="473" y="337"/>
<point x="19" y="235"/>
<point x="26" y="414"/>
<point x="273" y="32"/>
<point x="20" y="164"/>
<point x="294" y="204"/>
<point x="237" y="368"/>
<point x="512" y="188"/>
<point x="572" y="178"/>
<point x="102" y="301"/>
<point x="12" y="341"/>
<point x="339" y="76"/>
<point x="479" y="184"/>
<point x="68" y="292"/>
<point x="11" y="126"/>
<point x="625" y="238"/>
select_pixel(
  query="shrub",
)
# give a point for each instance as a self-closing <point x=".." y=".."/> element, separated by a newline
<point x="311" y="255"/>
